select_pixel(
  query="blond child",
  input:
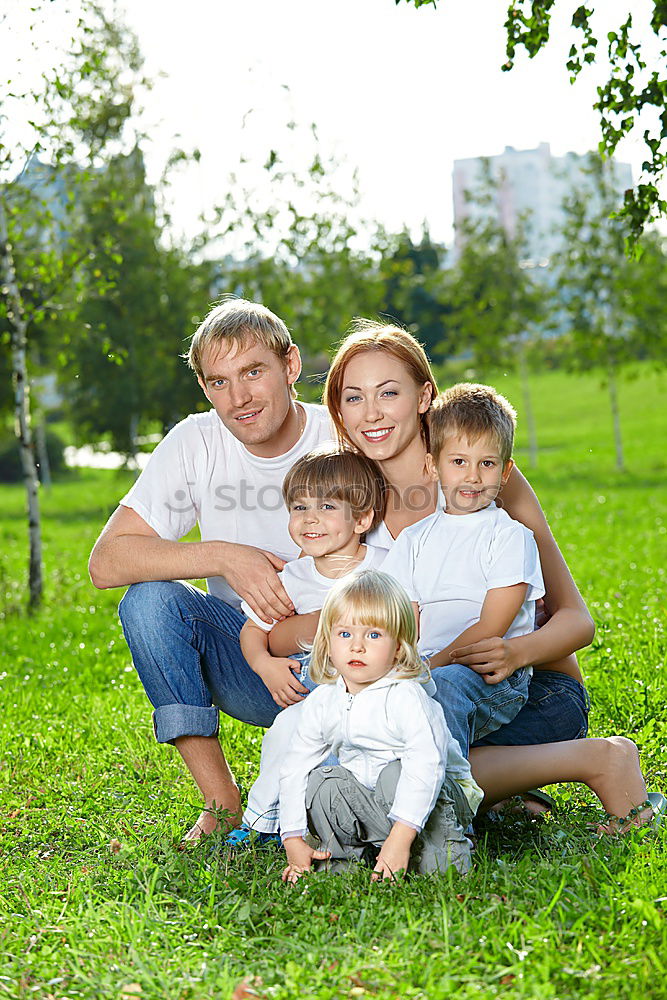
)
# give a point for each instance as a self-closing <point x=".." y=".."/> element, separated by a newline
<point x="402" y="792"/>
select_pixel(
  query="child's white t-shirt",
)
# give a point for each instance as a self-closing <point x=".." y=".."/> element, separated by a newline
<point x="201" y="473"/>
<point x="308" y="588"/>
<point x="448" y="562"/>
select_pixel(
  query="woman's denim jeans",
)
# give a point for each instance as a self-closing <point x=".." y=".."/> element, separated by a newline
<point x="557" y="709"/>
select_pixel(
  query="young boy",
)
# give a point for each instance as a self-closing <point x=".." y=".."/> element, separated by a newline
<point x="334" y="498"/>
<point x="471" y="571"/>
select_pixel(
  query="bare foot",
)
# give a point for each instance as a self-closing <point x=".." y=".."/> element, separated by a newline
<point x="619" y="783"/>
<point x="206" y="823"/>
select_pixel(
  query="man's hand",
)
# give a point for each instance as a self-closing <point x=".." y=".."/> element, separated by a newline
<point x="277" y="672"/>
<point x="300" y="857"/>
<point x="492" y="658"/>
<point x="253" y="575"/>
<point x="395" y="854"/>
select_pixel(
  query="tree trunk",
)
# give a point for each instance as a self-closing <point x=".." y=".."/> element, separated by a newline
<point x="19" y="348"/>
<point x="528" y="407"/>
<point x="616" y="417"/>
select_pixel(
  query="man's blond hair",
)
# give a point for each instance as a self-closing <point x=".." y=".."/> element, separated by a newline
<point x="239" y="321"/>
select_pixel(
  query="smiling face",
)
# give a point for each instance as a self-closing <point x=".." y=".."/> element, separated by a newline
<point x="323" y="526"/>
<point x="361" y="654"/>
<point x="381" y="405"/>
<point x="249" y="387"/>
<point x="470" y="473"/>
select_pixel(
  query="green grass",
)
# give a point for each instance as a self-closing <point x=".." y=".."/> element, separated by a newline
<point x="548" y="911"/>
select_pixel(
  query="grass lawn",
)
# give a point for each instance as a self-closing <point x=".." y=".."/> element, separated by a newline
<point x="95" y="901"/>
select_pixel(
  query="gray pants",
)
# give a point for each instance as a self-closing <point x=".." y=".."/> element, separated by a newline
<point x="352" y="821"/>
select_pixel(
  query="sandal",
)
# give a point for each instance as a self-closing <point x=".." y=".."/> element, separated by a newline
<point x="537" y="795"/>
<point x="655" y="801"/>
<point x="520" y="803"/>
<point x="243" y="838"/>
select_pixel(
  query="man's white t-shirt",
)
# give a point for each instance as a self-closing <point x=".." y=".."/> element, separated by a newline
<point x="448" y="562"/>
<point x="308" y="588"/>
<point x="201" y="473"/>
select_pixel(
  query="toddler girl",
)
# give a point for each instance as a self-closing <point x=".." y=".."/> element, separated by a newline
<point x="403" y="792"/>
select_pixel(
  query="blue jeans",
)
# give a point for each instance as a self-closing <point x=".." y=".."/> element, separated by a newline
<point x="303" y="660"/>
<point x="473" y="708"/>
<point x="557" y="709"/>
<point x="185" y="647"/>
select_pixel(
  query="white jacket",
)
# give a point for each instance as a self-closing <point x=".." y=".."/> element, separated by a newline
<point x="392" y="719"/>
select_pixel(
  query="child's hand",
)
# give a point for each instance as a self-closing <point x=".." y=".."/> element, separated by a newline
<point x="300" y="857"/>
<point x="395" y="854"/>
<point x="389" y="862"/>
<point x="277" y="672"/>
<point x="492" y="658"/>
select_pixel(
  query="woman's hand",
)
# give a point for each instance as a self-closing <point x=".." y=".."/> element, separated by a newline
<point x="495" y="658"/>
<point x="300" y="857"/>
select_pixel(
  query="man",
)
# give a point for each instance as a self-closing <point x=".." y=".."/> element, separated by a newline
<point x="222" y="469"/>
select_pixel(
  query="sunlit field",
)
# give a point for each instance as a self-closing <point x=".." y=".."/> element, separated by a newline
<point x="95" y="900"/>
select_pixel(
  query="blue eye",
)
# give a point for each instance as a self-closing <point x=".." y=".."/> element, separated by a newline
<point x="374" y="635"/>
<point x="390" y="392"/>
<point x="352" y="399"/>
<point x="343" y="634"/>
<point x="328" y="506"/>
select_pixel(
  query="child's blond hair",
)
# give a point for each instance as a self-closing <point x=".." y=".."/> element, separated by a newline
<point x="471" y="410"/>
<point x="339" y="475"/>
<point x="368" y="598"/>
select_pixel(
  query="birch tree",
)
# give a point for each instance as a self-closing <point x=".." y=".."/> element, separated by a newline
<point x="612" y="306"/>
<point x="76" y="115"/>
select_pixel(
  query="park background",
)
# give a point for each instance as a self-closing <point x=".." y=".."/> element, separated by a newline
<point x="118" y="235"/>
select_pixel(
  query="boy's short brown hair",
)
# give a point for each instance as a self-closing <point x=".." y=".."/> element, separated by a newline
<point x="340" y="475"/>
<point x="471" y="410"/>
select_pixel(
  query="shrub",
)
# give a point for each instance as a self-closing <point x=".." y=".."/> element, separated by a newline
<point x="11" y="470"/>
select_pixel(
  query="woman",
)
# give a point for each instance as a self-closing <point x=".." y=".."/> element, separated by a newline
<point x="378" y="391"/>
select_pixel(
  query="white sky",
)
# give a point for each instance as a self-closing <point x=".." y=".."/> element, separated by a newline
<point x="398" y="92"/>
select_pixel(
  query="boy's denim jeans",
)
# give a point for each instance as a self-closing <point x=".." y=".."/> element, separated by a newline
<point x="473" y="708"/>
